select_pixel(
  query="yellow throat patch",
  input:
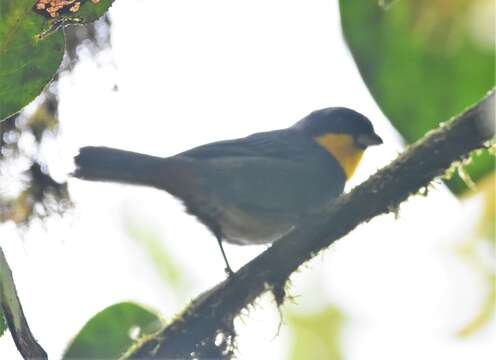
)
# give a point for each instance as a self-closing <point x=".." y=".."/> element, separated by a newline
<point x="342" y="147"/>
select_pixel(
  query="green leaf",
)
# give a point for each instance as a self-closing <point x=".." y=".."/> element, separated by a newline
<point x="108" y="334"/>
<point x="424" y="61"/>
<point x="31" y="49"/>
<point x="27" y="64"/>
<point x="316" y="336"/>
<point x="3" y="324"/>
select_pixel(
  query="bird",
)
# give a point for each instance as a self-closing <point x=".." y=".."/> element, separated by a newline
<point x="251" y="190"/>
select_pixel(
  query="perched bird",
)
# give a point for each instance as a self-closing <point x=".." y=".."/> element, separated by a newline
<point x="251" y="190"/>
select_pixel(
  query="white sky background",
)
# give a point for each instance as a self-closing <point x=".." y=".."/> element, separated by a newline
<point x="192" y="72"/>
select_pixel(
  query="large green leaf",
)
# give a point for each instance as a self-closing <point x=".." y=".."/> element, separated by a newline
<point x="424" y="61"/>
<point x="29" y="53"/>
<point x="108" y="334"/>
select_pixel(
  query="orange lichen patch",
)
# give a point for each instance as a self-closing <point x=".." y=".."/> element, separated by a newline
<point x="54" y="8"/>
<point x="41" y="4"/>
<point x="75" y="7"/>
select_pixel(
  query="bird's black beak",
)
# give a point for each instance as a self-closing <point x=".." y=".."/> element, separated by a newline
<point x="365" y="140"/>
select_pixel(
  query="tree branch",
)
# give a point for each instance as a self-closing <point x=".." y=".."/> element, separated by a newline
<point x="210" y="316"/>
<point x="14" y="316"/>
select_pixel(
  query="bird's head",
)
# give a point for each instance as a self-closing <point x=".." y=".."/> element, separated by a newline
<point x="342" y="132"/>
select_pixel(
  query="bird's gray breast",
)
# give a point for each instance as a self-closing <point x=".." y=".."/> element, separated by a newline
<point x="259" y="199"/>
<point x="243" y="227"/>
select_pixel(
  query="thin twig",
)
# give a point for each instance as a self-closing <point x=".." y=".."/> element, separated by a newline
<point x="14" y="316"/>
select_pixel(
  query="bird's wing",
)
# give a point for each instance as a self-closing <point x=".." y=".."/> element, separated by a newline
<point x="276" y="171"/>
<point x="279" y="144"/>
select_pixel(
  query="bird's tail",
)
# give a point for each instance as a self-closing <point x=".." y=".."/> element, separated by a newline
<point x="107" y="164"/>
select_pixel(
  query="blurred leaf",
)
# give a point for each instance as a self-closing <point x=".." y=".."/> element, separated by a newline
<point x="424" y="61"/>
<point x="29" y="191"/>
<point x="112" y="331"/>
<point x="479" y="253"/>
<point x="316" y="336"/>
<point x="31" y="49"/>
<point x="487" y="227"/>
<point x="153" y="245"/>
<point x="3" y="324"/>
<point x="486" y="311"/>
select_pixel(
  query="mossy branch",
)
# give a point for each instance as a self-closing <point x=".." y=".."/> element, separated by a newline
<point x="210" y="316"/>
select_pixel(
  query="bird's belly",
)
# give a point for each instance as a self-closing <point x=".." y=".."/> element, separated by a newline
<point x="247" y="228"/>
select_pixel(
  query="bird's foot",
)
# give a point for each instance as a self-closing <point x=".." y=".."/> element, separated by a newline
<point x="229" y="271"/>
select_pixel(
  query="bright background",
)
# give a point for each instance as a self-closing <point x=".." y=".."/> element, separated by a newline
<point x="184" y="73"/>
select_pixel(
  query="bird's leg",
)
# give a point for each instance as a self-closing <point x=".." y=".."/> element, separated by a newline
<point x="228" y="269"/>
